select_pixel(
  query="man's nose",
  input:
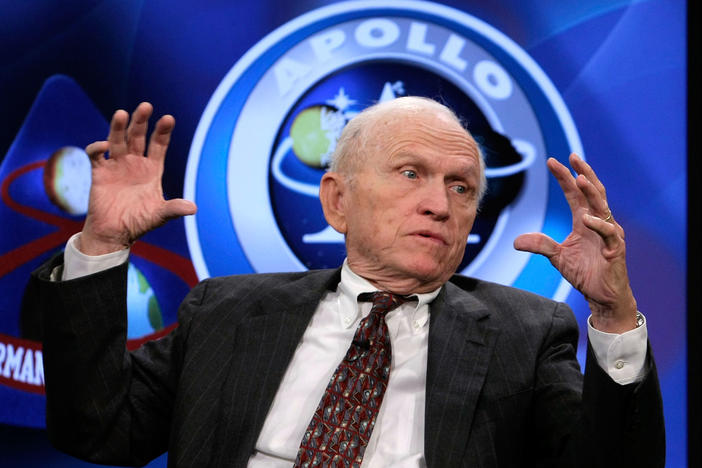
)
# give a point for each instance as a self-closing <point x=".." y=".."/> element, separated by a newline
<point x="435" y="201"/>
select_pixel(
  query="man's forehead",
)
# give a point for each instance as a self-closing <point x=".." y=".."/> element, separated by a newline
<point x="458" y="163"/>
<point x="433" y="129"/>
<point x="432" y="120"/>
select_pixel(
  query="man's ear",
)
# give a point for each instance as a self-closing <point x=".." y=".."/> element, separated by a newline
<point x="332" y="192"/>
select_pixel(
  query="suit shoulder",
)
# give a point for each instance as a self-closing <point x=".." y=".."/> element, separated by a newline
<point x="521" y="315"/>
<point x="235" y="284"/>
<point x="233" y="290"/>
<point x="510" y="303"/>
<point x="490" y="291"/>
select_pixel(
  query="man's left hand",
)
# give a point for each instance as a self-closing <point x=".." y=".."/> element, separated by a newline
<point x="592" y="257"/>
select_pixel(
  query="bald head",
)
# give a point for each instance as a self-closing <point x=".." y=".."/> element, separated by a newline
<point x="364" y="132"/>
<point x="404" y="189"/>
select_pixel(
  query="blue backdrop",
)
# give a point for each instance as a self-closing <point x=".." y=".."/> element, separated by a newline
<point x="604" y="77"/>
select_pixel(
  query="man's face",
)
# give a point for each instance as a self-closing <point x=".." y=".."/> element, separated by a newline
<point x="412" y="202"/>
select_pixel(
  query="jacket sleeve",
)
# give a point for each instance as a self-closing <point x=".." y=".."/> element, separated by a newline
<point x="608" y="425"/>
<point x="103" y="403"/>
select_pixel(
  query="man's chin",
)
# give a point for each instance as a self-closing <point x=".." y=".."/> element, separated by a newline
<point x="428" y="274"/>
<point x="404" y="274"/>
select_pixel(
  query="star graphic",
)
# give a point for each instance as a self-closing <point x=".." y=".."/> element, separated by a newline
<point x="341" y="101"/>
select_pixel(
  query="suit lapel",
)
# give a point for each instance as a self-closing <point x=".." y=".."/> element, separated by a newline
<point x="264" y="344"/>
<point x="461" y="342"/>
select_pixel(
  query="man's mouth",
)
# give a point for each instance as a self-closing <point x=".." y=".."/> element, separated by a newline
<point x="429" y="235"/>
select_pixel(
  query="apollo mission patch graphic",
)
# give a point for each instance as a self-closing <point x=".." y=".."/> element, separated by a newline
<point x="264" y="140"/>
<point x="45" y="181"/>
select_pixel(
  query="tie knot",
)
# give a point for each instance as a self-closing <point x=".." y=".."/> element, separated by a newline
<point x="383" y="301"/>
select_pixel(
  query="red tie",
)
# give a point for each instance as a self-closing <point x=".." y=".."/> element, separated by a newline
<point x="343" y="422"/>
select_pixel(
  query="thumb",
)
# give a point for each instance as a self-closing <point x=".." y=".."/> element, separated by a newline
<point x="537" y="243"/>
<point x="178" y="207"/>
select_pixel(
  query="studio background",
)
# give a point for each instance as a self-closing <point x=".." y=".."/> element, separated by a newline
<point x="619" y="68"/>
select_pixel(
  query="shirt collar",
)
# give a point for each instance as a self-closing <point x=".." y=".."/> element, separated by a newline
<point x="351" y="285"/>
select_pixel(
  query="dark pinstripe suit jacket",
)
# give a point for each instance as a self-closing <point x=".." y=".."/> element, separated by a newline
<point x="503" y="384"/>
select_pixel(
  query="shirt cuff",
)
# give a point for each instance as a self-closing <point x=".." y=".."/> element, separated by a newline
<point x="621" y="356"/>
<point x="77" y="264"/>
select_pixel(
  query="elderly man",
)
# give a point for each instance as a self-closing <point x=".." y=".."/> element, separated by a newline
<point x="389" y="361"/>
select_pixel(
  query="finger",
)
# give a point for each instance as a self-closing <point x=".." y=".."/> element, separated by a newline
<point x="581" y="167"/>
<point x="136" y="132"/>
<point x="538" y="243"/>
<point x="598" y="204"/>
<point x="160" y="137"/>
<point x="178" y="207"/>
<point x="118" y="134"/>
<point x="96" y="151"/>
<point x="609" y="232"/>
<point x="567" y="183"/>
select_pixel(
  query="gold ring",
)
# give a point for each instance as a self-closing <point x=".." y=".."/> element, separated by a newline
<point x="609" y="216"/>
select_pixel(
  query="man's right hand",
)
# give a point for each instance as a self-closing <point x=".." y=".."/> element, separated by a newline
<point x="126" y="197"/>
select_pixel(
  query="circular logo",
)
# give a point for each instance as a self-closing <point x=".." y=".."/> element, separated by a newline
<point x="264" y="140"/>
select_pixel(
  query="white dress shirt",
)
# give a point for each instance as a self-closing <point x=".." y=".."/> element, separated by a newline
<point x="398" y="437"/>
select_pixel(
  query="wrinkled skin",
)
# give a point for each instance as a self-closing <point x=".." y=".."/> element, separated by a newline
<point x="409" y="209"/>
<point x="126" y="198"/>
<point x="406" y="210"/>
<point x="593" y="256"/>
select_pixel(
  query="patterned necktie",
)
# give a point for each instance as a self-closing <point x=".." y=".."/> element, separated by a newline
<point x="344" y="420"/>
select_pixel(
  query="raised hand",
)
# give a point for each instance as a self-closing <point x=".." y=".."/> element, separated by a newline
<point x="126" y="197"/>
<point x="592" y="256"/>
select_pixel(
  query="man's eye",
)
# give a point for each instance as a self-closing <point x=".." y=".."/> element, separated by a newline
<point x="460" y="188"/>
<point x="409" y="174"/>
